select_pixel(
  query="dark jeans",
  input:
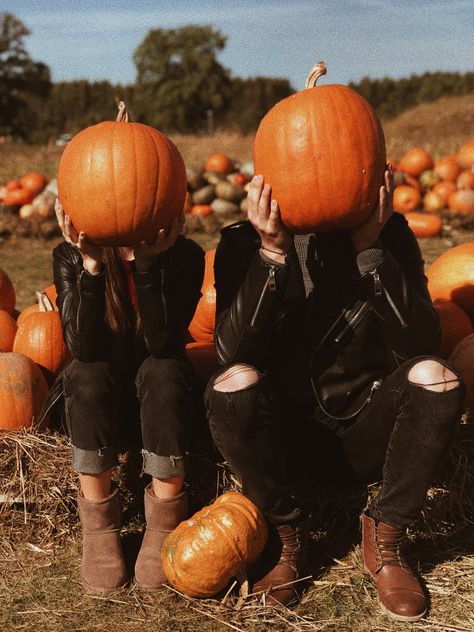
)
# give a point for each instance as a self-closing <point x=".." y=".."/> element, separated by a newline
<point x="105" y="409"/>
<point x="399" y="438"/>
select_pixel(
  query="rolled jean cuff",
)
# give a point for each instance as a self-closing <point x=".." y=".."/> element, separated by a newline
<point x="158" y="466"/>
<point x="94" y="461"/>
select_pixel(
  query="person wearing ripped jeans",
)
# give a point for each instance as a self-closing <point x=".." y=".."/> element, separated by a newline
<point x="328" y="350"/>
<point x="125" y="313"/>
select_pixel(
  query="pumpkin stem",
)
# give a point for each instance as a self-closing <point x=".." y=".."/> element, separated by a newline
<point x="318" y="70"/>
<point x="242" y="578"/>
<point x="44" y="302"/>
<point x="122" y="116"/>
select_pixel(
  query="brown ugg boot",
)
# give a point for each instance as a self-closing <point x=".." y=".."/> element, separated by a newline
<point x="400" y="592"/>
<point x="282" y="561"/>
<point x="162" y="516"/>
<point x="103" y="567"/>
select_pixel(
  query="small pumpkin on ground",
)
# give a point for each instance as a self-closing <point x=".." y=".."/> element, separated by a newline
<point x="444" y="190"/>
<point x="323" y="152"/>
<point x="461" y="201"/>
<point x="219" y="163"/>
<point x="406" y="198"/>
<point x="415" y="161"/>
<point x="8" y="329"/>
<point x="455" y="325"/>
<point x="465" y="156"/>
<point x="451" y="276"/>
<point x="201" y="209"/>
<point x="204" y="553"/>
<point x="23" y="390"/>
<point x="424" y="224"/>
<point x="433" y="202"/>
<point x="34" y="182"/>
<point x="447" y="168"/>
<point x="465" y="180"/>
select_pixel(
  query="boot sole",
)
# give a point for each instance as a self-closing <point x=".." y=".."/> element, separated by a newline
<point x="91" y="590"/>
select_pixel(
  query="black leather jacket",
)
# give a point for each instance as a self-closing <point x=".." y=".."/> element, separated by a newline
<point x="366" y="315"/>
<point x="167" y="298"/>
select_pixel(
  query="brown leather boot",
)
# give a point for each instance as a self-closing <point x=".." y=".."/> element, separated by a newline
<point x="103" y="567"/>
<point x="162" y="516"/>
<point x="400" y="592"/>
<point x="283" y="559"/>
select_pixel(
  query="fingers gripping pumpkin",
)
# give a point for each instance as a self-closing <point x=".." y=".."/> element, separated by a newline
<point x="203" y="553"/>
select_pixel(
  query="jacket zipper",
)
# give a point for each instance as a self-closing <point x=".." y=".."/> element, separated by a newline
<point x="373" y="388"/>
<point x="379" y="288"/>
<point x="270" y="283"/>
<point x="353" y="320"/>
<point x="162" y="274"/>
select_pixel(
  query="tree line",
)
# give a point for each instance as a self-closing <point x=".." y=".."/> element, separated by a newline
<point x="180" y="87"/>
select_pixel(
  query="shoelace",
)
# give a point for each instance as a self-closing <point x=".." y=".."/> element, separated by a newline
<point x="389" y="547"/>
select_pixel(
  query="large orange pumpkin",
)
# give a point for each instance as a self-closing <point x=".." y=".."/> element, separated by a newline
<point x="415" y="161"/>
<point x="451" y="276"/>
<point x="323" y="152"/>
<point x="465" y="155"/>
<point x="8" y="329"/>
<point x="23" y="390"/>
<point x="40" y="337"/>
<point x="219" y="163"/>
<point x="455" y="325"/>
<point x="25" y="312"/>
<point x="202" y="325"/>
<point x="424" y="224"/>
<point x="463" y="359"/>
<point x="406" y="198"/>
<point x="447" y="168"/>
<point x="204" y="553"/>
<point x="34" y="182"/>
<point x="462" y="201"/>
<point x="7" y="293"/>
<point x="120" y="182"/>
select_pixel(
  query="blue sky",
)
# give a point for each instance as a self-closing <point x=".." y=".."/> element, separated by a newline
<point x="96" y="39"/>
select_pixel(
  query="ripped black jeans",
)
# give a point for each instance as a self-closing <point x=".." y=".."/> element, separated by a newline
<point x="107" y="410"/>
<point x="398" y="438"/>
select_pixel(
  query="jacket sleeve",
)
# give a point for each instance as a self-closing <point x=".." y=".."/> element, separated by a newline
<point x="393" y="280"/>
<point x="249" y="292"/>
<point x="167" y="299"/>
<point x="81" y="305"/>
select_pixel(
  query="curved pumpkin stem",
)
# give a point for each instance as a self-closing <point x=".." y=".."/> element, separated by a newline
<point x="318" y="70"/>
<point x="44" y="302"/>
<point x="242" y="578"/>
<point x="122" y="116"/>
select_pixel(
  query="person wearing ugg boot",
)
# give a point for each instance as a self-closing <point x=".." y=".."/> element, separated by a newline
<point x="329" y="371"/>
<point x="125" y="313"/>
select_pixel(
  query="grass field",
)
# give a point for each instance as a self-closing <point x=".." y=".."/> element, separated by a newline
<point x="39" y="537"/>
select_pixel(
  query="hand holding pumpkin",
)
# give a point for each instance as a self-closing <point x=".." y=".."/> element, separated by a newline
<point x="91" y="253"/>
<point x="264" y="215"/>
<point x="146" y="254"/>
<point x="366" y="235"/>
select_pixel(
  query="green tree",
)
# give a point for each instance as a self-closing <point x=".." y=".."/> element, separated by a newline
<point x="179" y="78"/>
<point x="22" y="80"/>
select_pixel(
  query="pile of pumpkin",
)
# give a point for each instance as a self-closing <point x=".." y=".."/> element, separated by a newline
<point x="426" y="187"/>
<point x="219" y="187"/>
<point x="31" y="196"/>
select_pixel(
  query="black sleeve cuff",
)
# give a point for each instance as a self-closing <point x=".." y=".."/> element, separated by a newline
<point x="370" y="259"/>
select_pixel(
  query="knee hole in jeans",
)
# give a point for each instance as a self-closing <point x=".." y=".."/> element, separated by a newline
<point x="433" y="375"/>
<point x="236" y="378"/>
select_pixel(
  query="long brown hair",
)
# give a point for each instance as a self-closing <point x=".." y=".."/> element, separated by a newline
<point x="119" y="313"/>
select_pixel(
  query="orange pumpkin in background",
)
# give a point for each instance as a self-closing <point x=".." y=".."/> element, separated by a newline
<point x="451" y="276"/>
<point x="415" y="161"/>
<point x="30" y="309"/>
<point x="433" y="202"/>
<point x="455" y="325"/>
<point x="323" y="152"/>
<point x="424" y="224"/>
<point x="462" y="201"/>
<point x="444" y="190"/>
<point x="7" y="293"/>
<point x="406" y="198"/>
<point x="40" y="337"/>
<point x="465" y="180"/>
<point x="34" y="182"/>
<point x="8" y="329"/>
<point x="18" y="197"/>
<point x="447" y="168"/>
<point x="23" y="390"/>
<point x="219" y="163"/>
<point x="201" y="209"/>
<point x="463" y="359"/>
<point x="204" y="553"/>
<point x="465" y="156"/>
<point x="202" y="325"/>
<point x="203" y="357"/>
<point x="120" y="182"/>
